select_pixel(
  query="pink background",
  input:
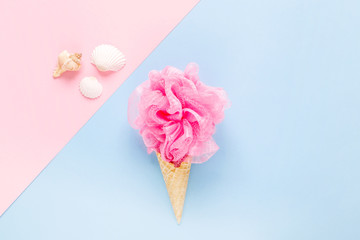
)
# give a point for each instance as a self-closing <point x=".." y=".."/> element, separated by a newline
<point x="39" y="114"/>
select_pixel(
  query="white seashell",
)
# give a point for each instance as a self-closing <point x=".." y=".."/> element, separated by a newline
<point x="108" y="58"/>
<point x="90" y="87"/>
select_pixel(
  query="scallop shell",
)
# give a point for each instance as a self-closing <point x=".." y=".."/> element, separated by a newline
<point x="108" y="58"/>
<point x="90" y="87"/>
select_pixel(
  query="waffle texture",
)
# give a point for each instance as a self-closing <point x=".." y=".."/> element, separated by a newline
<point x="176" y="180"/>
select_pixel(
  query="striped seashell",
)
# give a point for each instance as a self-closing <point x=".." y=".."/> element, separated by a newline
<point x="108" y="58"/>
<point x="90" y="87"/>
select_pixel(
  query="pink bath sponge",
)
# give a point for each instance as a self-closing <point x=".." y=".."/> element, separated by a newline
<point x="176" y="114"/>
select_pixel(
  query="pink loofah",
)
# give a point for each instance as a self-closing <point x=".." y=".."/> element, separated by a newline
<point x="176" y="114"/>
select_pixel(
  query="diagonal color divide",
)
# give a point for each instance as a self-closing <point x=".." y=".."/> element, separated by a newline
<point x="39" y="115"/>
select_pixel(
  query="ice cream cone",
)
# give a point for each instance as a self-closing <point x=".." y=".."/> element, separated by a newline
<point x="176" y="180"/>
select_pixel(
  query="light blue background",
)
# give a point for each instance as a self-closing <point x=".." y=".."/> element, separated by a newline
<point x="288" y="167"/>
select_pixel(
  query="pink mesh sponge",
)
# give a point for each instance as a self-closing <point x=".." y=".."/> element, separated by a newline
<point x="176" y="114"/>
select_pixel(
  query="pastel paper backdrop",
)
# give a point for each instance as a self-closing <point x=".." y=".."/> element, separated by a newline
<point x="289" y="170"/>
<point x="39" y="114"/>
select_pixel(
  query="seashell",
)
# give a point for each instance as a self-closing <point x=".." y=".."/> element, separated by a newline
<point x="67" y="62"/>
<point x="90" y="87"/>
<point x="108" y="58"/>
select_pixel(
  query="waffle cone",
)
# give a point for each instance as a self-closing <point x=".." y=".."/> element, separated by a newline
<point x="176" y="180"/>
